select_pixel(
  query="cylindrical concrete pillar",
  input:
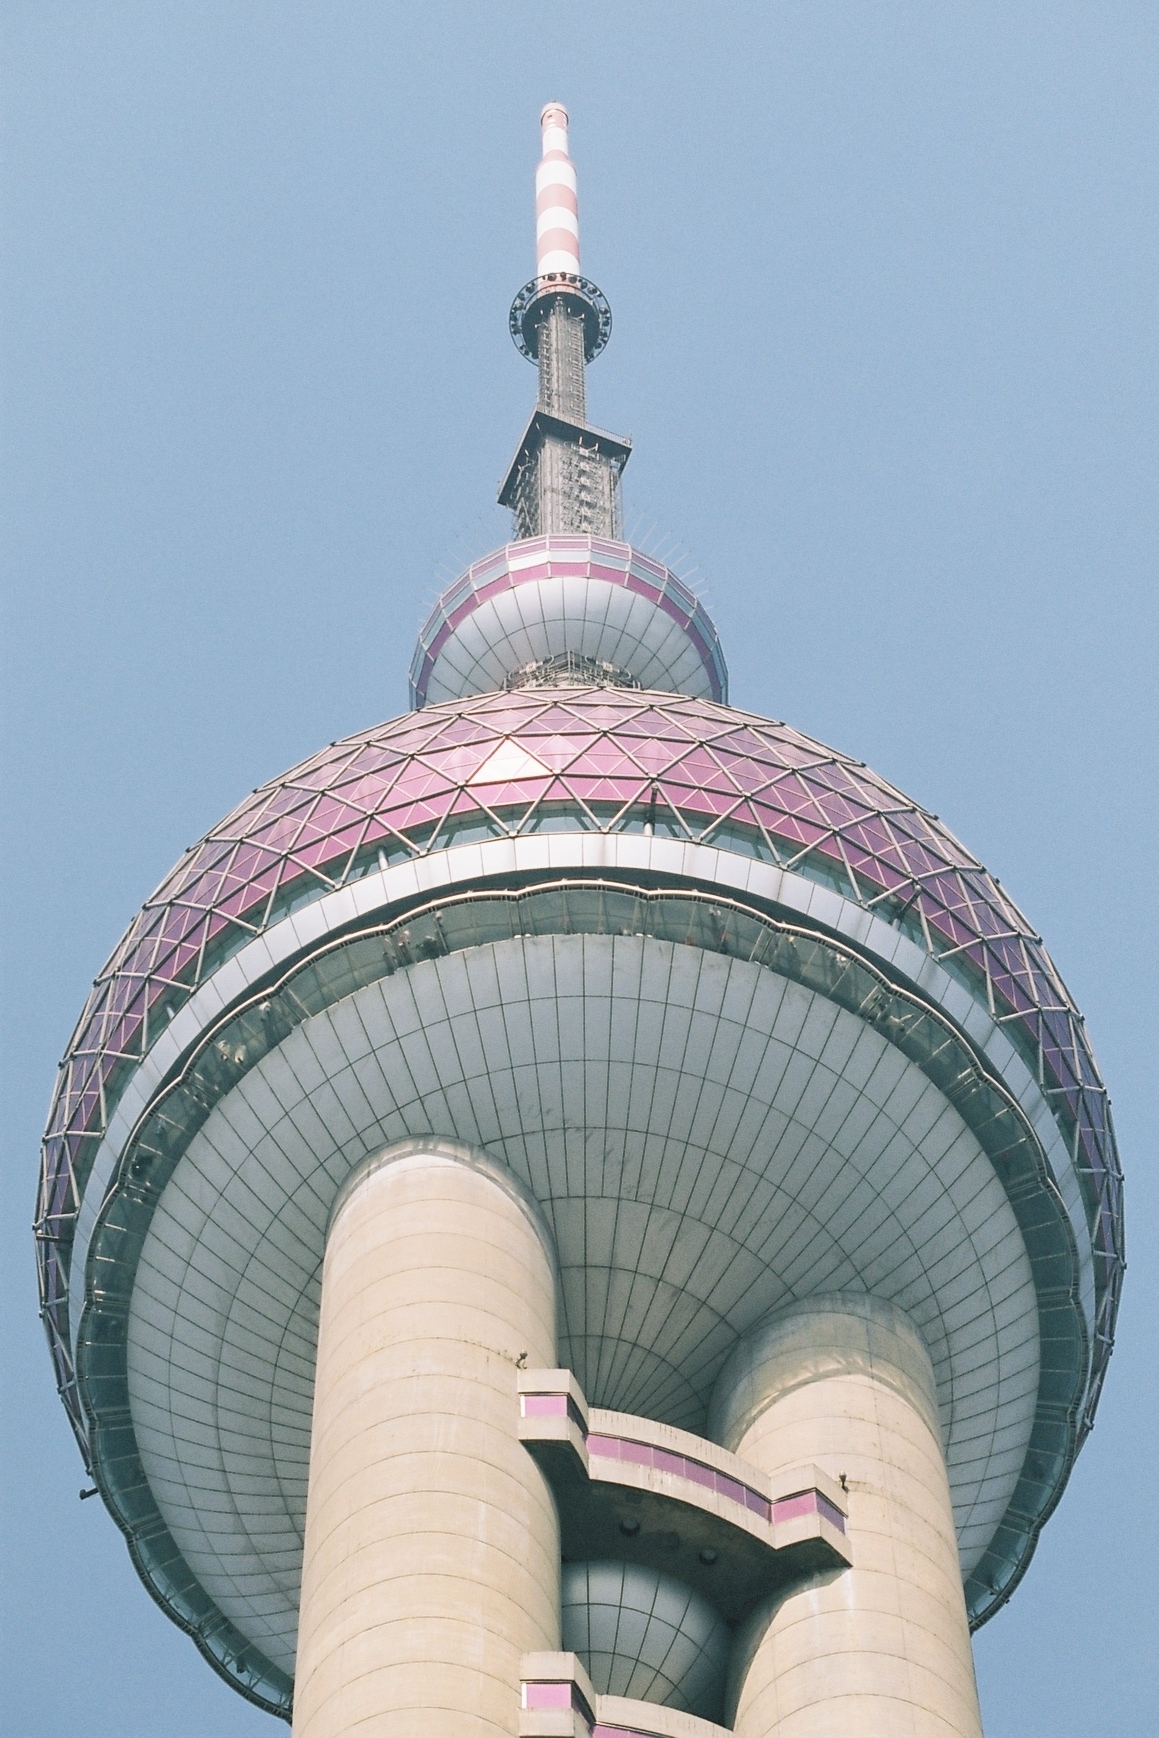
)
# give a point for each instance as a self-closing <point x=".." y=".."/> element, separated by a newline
<point x="431" y="1556"/>
<point x="881" y="1649"/>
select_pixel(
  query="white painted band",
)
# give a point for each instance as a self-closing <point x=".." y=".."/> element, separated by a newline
<point x="559" y="172"/>
<point x="557" y="217"/>
<point x="556" y="261"/>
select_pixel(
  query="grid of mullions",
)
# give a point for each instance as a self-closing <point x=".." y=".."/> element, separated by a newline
<point x="646" y="1636"/>
<point x="250" y="1287"/>
<point x="605" y="759"/>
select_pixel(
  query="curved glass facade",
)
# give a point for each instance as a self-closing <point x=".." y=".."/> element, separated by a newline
<point x="603" y="760"/>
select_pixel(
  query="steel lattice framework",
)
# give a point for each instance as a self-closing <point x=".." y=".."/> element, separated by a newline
<point x="595" y="759"/>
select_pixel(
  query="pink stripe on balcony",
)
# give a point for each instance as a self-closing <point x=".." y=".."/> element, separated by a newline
<point x="802" y="1503"/>
<point x="681" y="1466"/>
<point x="562" y="1693"/>
<point x="606" y="1446"/>
<point x="808" y="1503"/>
<point x="544" y="1405"/>
<point x="547" y="1695"/>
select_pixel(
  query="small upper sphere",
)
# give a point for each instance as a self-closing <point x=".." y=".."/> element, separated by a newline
<point x="600" y="603"/>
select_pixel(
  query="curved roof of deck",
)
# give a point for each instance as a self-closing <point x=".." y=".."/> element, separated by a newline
<point x="546" y="596"/>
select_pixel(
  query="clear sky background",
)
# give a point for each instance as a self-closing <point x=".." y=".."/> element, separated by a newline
<point x="884" y="284"/>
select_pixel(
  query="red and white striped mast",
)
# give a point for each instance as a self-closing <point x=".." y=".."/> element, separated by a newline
<point x="556" y="203"/>
<point x="565" y="475"/>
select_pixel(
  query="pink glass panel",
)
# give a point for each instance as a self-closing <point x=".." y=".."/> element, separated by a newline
<point x="638" y="1453"/>
<point x="412" y="771"/>
<point x="608" y="1446"/>
<point x="547" y="1695"/>
<point x="544" y="1405"/>
<point x="788" y="1508"/>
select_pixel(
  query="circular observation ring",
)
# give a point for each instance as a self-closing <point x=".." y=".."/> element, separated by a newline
<point x="584" y="297"/>
<point x="395" y="941"/>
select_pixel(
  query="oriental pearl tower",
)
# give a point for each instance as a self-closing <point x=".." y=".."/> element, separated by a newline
<point x="581" y="1210"/>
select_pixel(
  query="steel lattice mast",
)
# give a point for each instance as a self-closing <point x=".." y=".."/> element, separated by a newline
<point x="565" y="476"/>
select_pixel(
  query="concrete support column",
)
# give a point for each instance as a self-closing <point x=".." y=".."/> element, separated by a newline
<point x="431" y="1557"/>
<point x="881" y="1650"/>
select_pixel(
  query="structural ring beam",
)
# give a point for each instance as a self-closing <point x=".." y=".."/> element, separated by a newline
<point x="236" y="1043"/>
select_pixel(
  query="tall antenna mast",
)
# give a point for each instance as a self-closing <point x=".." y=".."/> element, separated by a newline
<point x="565" y="476"/>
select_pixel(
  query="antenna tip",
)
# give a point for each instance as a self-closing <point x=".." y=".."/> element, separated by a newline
<point x="556" y="210"/>
<point x="553" y="120"/>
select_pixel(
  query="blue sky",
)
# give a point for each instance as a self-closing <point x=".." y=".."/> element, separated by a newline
<point x="883" y="278"/>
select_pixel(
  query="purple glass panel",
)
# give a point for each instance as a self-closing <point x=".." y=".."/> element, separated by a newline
<point x="608" y="1446"/>
<point x="547" y="1695"/>
<point x="544" y="1405"/>
<point x="638" y="1453"/>
<point x="610" y="745"/>
<point x="788" y="1508"/>
<point x="830" y="1512"/>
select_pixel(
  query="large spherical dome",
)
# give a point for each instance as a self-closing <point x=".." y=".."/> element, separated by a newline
<point x="831" y="924"/>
